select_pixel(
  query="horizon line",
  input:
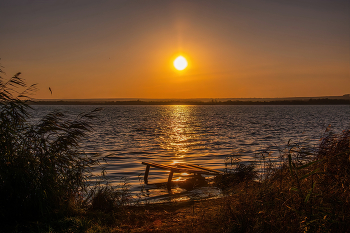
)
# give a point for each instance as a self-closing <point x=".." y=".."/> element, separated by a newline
<point x="182" y="99"/>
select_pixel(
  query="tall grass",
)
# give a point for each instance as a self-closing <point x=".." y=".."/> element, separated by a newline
<point x="298" y="196"/>
<point x="43" y="171"/>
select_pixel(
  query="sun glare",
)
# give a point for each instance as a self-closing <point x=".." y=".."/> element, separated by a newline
<point x="180" y="63"/>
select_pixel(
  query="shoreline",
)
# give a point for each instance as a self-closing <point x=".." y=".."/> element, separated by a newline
<point x="229" y="102"/>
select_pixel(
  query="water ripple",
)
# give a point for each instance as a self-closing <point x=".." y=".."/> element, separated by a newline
<point x="202" y="135"/>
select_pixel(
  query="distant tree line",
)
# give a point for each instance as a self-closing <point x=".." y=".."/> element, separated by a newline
<point x="229" y="102"/>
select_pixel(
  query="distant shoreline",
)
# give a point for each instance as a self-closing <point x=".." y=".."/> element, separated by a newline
<point x="213" y="102"/>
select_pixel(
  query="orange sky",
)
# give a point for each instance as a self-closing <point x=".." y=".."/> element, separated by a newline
<point x="125" y="49"/>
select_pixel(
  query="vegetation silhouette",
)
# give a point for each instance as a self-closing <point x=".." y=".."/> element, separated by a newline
<point x="307" y="191"/>
<point x="43" y="171"/>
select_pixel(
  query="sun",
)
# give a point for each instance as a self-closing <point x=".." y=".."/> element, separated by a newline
<point x="180" y="63"/>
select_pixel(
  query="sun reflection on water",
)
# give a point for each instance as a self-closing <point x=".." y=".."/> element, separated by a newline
<point x="180" y="132"/>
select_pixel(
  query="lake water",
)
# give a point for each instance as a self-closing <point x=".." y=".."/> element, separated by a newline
<point x="203" y="135"/>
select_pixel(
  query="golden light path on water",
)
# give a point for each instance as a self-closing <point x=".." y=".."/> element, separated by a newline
<point x="180" y="140"/>
<point x="179" y="131"/>
<point x="180" y="136"/>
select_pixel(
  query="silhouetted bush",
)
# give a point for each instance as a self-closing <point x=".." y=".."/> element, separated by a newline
<point x="42" y="169"/>
<point x="106" y="198"/>
<point x="241" y="173"/>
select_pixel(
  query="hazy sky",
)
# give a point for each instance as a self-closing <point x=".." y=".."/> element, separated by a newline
<point x="126" y="48"/>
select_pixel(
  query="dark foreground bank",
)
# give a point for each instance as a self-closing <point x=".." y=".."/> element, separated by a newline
<point x="301" y="196"/>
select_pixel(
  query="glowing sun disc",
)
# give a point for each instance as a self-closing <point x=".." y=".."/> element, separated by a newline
<point x="180" y="63"/>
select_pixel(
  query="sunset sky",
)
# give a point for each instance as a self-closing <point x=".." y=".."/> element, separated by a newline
<point x="126" y="48"/>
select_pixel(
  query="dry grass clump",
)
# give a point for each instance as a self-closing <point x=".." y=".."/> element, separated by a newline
<point x="301" y="196"/>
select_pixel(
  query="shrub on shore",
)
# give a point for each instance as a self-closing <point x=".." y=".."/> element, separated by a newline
<point x="300" y="196"/>
<point x="42" y="169"/>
